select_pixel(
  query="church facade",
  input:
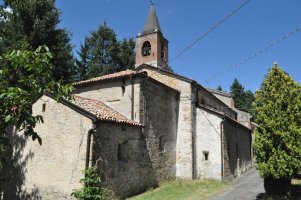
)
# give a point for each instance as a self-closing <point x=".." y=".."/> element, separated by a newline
<point x="137" y="127"/>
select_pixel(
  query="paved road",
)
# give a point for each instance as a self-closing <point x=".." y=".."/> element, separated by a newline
<point x="247" y="187"/>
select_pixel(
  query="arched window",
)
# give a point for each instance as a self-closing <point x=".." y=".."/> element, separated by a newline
<point x="146" y="48"/>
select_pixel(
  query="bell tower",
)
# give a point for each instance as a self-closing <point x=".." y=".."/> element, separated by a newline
<point x="151" y="45"/>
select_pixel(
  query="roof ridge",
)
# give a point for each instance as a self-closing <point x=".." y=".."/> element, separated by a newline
<point x="120" y="74"/>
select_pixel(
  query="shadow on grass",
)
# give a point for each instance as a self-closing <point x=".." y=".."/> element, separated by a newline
<point x="296" y="195"/>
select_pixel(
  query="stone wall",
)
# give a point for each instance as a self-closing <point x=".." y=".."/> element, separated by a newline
<point x="120" y="155"/>
<point x="116" y="93"/>
<point x="244" y="118"/>
<point x="185" y="128"/>
<point x="51" y="170"/>
<point x="208" y="99"/>
<point x="208" y="141"/>
<point x="237" y="151"/>
<point x="224" y="97"/>
<point x="160" y="108"/>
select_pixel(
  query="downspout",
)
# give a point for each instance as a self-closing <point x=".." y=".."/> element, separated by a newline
<point x="251" y="149"/>
<point x="222" y="148"/>
<point x="90" y="133"/>
<point x="132" y="102"/>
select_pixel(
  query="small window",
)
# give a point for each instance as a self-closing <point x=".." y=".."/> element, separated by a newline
<point x="122" y="154"/>
<point x="44" y="107"/>
<point x="206" y="155"/>
<point x="203" y="101"/>
<point x="146" y="48"/>
<point x="162" y="143"/>
<point x="123" y="128"/>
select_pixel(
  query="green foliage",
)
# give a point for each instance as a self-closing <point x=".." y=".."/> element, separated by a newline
<point x="242" y="99"/>
<point x="102" y="54"/>
<point x="92" y="189"/>
<point x="219" y="88"/>
<point x="34" y="23"/>
<point x="278" y="113"/>
<point x="23" y="80"/>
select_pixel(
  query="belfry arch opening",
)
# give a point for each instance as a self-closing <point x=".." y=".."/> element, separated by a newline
<point x="146" y="48"/>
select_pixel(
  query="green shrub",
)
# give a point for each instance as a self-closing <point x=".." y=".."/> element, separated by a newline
<point x="92" y="189"/>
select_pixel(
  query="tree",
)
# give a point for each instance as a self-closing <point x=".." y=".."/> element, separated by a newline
<point x="102" y="54"/>
<point x="83" y="64"/>
<point x="238" y="92"/>
<point x="278" y="138"/>
<point x="34" y="23"/>
<point x="92" y="189"/>
<point x="219" y="88"/>
<point x="23" y="81"/>
<point x="242" y="99"/>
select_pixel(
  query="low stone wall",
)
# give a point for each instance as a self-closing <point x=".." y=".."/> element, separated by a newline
<point x="120" y="155"/>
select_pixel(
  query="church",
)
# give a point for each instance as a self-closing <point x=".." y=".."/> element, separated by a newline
<point x="137" y="127"/>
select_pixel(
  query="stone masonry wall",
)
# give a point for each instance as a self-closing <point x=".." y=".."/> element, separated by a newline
<point x="112" y="94"/>
<point x="160" y="105"/>
<point x="185" y="128"/>
<point x="51" y="170"/>
<point x="226" y="98"/>
<point x="237" y="143"/>
<point x="134" y="172"/>
<point x="208" y="140"/>
<point x="208" y="99"/>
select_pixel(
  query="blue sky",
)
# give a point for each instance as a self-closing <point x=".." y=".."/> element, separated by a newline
<point x="254" y="27"/>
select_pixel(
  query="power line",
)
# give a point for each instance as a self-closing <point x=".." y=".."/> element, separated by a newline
<point x="210" y="123"/>
<point x="211" y="29"/>
<point x="255" y="54"/>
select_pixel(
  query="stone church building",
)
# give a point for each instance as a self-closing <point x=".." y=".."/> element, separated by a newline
<point x="138" y="127"/>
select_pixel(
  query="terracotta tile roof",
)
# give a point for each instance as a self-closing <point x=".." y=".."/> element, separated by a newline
<point x="121" y="74"/>
<point x="102" y="111"/>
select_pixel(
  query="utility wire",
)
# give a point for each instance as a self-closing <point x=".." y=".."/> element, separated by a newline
<point x="255" y="54"/>
<point x="211" y="124"/>
<point x="211" y="29"/>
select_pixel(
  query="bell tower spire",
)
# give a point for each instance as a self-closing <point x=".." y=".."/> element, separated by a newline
<point x="151" y="45"/>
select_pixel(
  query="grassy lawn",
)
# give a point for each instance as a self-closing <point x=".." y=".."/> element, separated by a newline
<point x="190" y="190"/>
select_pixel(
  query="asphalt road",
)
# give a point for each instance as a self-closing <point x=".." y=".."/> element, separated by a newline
<point x="248" y="187"/>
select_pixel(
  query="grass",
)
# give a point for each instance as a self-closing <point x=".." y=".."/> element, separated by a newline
<point x="189" y="190"/>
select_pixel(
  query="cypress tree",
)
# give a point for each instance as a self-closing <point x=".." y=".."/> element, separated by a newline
<point x="278" y="138"/>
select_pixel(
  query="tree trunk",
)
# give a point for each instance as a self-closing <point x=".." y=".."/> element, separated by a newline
<point x="280" y="186"/>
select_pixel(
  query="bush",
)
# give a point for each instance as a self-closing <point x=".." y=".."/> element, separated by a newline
<point x="92" y="189"/>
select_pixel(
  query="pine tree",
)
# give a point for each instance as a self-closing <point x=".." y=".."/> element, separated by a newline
<point x="34" y="23"/>
<point x="102" y="54"/>
<point x="242" y="99"/>
<point x="238" y="92"/>
<point x="219" y="88"/>
<point x="83" y="64"/>
<point x="278" y="138"/>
